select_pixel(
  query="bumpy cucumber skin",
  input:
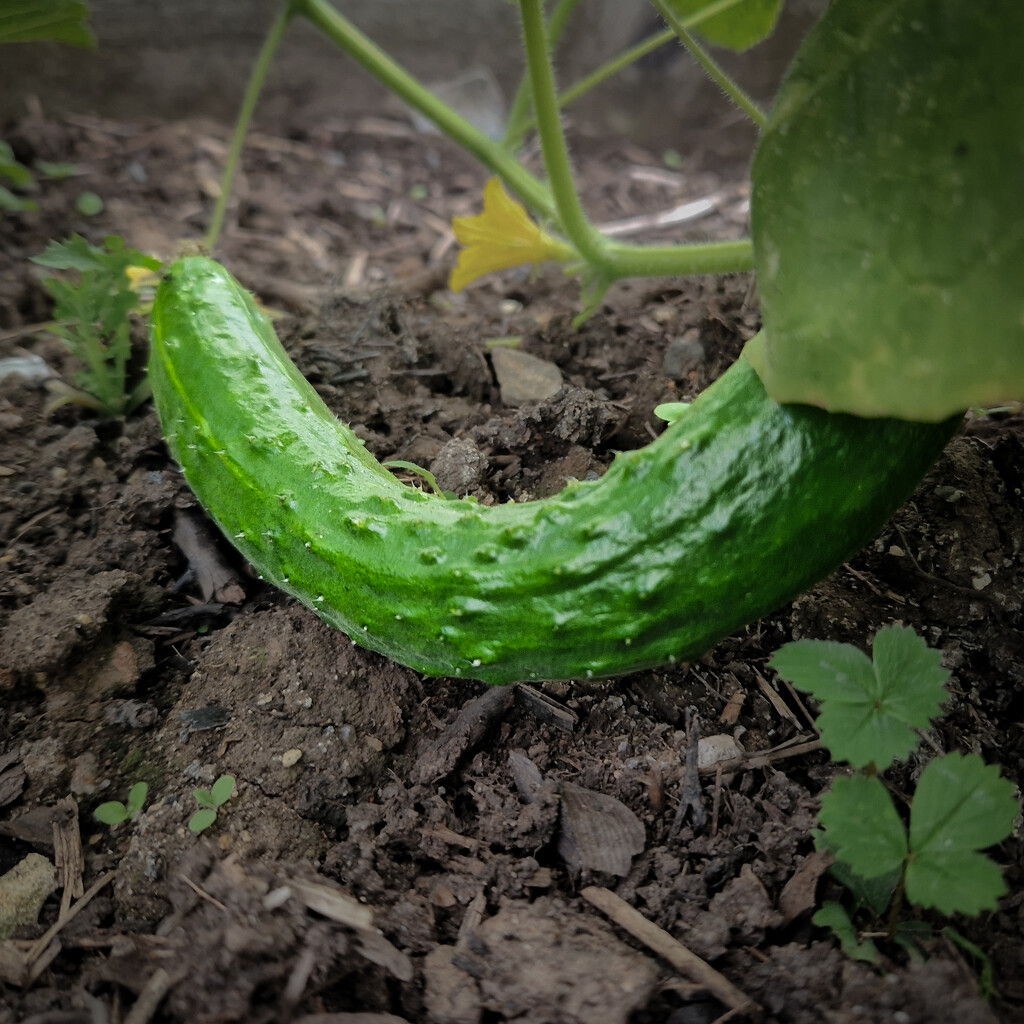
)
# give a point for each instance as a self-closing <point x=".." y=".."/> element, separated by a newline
<point x="739" y="506"/>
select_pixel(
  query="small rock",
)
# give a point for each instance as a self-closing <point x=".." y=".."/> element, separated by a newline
<point x="23" y="891"/>
<point x="32" y="369"/>
<point x="459" y="467"/>
<point x="84" y="774"/>
<point x="524" y="378"/>
<point x="712" y="749"/>
<point x="292" y="757"/>
<point x="682" y="355"/>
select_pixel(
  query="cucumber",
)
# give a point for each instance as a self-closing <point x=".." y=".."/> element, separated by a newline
<point x="740" y="505"/>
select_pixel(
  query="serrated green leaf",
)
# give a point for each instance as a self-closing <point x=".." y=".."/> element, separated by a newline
<point x="869" y="709"/>
<point x="741" y="26"/>
<point x="862" y="827"/>
<point x="834" y="917"/>
<point x="222" y="790"/>
<point x="204" y="798"/>
<point x="61" y="21"/>
<point x="74" y="254"/>
<point x="960" y="807"/>
<point x="887" y="212"/>
<point x="202" y="820"/>
<point x="873" y="893"/>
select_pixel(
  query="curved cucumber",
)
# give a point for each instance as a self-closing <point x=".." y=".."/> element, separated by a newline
<point x="739" y="506"/>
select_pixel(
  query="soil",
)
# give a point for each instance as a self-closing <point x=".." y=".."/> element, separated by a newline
<point x="400" y="848"/>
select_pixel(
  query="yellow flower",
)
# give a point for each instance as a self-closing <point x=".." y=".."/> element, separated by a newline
<point x="141" y="277"/>
<point x="502" y="236"/>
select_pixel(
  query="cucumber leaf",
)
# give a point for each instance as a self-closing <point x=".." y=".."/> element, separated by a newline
<point x="62" y="21"/>
<point x="869" y="709"/>
<point x="888" y="214"/>
<point x="862" y="827"/>
<point x="961" y="805"/>
<point x="737" y="28"/>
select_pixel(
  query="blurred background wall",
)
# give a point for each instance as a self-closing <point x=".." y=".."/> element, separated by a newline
<point x="176" y="58"/>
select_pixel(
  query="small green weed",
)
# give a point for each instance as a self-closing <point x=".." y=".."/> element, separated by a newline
<point x="93" y="319"/>
<point x="210" y="800"/>
<point x="870" y="711"/>
<point x="114" y="812"/>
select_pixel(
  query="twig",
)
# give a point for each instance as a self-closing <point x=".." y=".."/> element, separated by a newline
<point x="159" y="984"/>
<point x="664" y="945"/>
<point x="202" y="893"/>
<point x="39" y="947"/>
<point x="762" y="758"/>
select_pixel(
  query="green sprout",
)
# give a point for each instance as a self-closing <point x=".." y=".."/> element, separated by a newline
<point x="93" y="319"/>
<point x="114" y="812"/>
<point x="870" y="711"/>
<point x="210" y="800"/>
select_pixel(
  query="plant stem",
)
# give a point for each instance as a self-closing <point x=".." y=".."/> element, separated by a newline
<point x="519" y="119"/>
<point x="896" y="907"/>
<point x="339" y="30"/>
<point x="252" y="92"/>
<point x="588" y="241"/>
<point x="717" y="74"/>
<point x="635" y="53"/>
<point x="610" y="260"/>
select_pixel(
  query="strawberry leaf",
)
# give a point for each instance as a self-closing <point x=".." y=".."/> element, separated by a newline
<point x="869" y="710"/>
<point x="960" y="807"/>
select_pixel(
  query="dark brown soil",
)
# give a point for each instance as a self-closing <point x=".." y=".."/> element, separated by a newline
<point x="410" y="849"/>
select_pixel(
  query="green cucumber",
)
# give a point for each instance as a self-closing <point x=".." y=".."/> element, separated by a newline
<point x="739" y="506"/>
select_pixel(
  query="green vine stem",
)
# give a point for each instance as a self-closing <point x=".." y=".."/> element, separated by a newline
<point x="490" y="153"/>
<point x="607" y="260"/>
<point x="252" y="92"/>
<point x="717" y="74"/>
<point x="519" y="119"/>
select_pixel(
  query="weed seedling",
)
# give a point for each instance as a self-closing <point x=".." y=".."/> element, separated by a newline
<point x="93" y="319"/>
<point x="210" y="800"/>
<point x="870" y="711"/>
<point x="114" y="812"/>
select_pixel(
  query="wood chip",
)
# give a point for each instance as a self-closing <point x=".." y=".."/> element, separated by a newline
<point x="546" y="708"/>
<point x="67" y="846"/>
<point x="799" y="894"/>
<point x="332" y="904"/>
<point x="465" y="734"/>
<point x="659" y="941"/>
<point x="202" y="548"/>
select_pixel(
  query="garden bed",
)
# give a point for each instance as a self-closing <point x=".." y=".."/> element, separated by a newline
<point x="429" y="848"/>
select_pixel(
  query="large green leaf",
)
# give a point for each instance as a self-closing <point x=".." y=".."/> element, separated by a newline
<point x="888" y="211"/>
<point x="739" y="27"/>
<point x="62" y="21"/>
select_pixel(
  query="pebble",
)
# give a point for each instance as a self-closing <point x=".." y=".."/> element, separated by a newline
<point x="23" y="891"/>
<point x="682" y="355"/>
<point x="292" y="757"/>
<point x="524" y="378"/>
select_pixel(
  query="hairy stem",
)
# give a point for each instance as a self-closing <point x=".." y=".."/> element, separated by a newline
<point x="635" y="53"/>
<point x="252" y="92"/>
<point x="707" y="62"/>
<point x="519" y="120"/>
<point x="491" y="154"/>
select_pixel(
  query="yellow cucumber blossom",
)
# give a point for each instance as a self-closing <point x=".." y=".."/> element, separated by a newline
<point x="502" y="236"/>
